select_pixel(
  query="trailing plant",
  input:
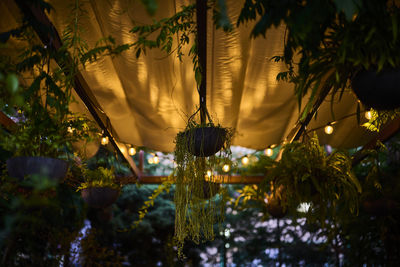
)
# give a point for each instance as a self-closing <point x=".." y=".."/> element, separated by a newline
<point x="195" y="213"/>
<point x="161" y="33"/>
<point x="328" y="42"/>
<point x="165" y="186"/>
<point x="100" y="177"/>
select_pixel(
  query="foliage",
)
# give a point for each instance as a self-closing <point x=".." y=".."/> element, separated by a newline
<point x="379" y="118"/>
<point x="93" y="254"/>
<point x="306" y="174"/>
<point x="46" y="125"/>
<point x="327" y="42"/>
<point x="100" y="177"/>
<point x="165" y="186"/>
<point x="39" y="221"/>
<point x="195" y="213"/>
<point x="161" y="33"/>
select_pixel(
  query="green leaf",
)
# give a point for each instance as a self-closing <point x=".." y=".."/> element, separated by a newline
<point x="12" y="83"/>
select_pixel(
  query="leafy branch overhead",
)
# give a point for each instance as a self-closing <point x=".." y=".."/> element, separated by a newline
<point x="327" y="42"/>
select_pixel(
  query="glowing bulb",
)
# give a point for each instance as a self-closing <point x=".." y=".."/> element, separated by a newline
<point x="245" y="160"/>
<point x="269" y="152"/>
<point x="156" y="159"/>
<point x="226" y="168"/>
<point x="209" y="173"/>
<point x="70" y="130"/>
<point x="150" y="160"/>
<point x="227" y="245"/>
<point x="328" y="129"/>
<point x="104" y="140"/>
<point x="368" y="115"/>
<point x="132" y="151"/>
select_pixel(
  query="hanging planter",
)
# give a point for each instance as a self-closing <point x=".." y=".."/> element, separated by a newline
<point x="275" y="208"/>
<point x="99" y="197"/>
<point x="99" y="189"/>
<point x="21" y="167"/>
<point x="380" y="91"/>
<point x="204" y="141"/>
<point x="198" y="197"/>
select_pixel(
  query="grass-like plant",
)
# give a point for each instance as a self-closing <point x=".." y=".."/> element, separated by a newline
<point x="196" y="210"/>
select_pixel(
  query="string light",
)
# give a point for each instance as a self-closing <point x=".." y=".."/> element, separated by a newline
<point x="245" y="160"/>
<point x="150" y="160"/>
<point x="132" y="151"/>
<point x="328" y="129"/>
<point x="104" y="140"/>
<point x="269" y="151"/>
<point x="156" y="160"/>
<point x="70" y="130"/>
<point x="368" y="114"/>
<point x="209" y="173"/>
<point x="226" y="168"/>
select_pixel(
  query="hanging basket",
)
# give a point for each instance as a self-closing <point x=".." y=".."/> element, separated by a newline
<point x="275" y="209"/>
<point x="205" y="141"/>
<point x="380" y="91"/>
<point x="99" y="197"/>
<point x="21" y="167"/>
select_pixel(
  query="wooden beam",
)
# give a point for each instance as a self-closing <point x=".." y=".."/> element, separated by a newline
<point x="6" y="122"/>
<point x="234" y="179"/>
<point x="49" y="36"/>
<point x="301" y="125"/>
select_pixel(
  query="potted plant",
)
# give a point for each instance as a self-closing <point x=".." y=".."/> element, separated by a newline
<point x="338" y="45"/>
<point x="306" y="174"/>
<point x="46" y="126"/>
<point x="99" y="189"/>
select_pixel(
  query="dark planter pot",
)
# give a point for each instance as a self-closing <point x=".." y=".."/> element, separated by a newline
<point x="99" y="197"/>
<point x="20" y="167"/>
<point x="210" y="189"/>
<point x="275" y="208"/>
<point x="380" y="91"/>
<point x="206" y="141"/>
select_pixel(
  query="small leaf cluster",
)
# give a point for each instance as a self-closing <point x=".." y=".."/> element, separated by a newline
<point x="100" y="177"/>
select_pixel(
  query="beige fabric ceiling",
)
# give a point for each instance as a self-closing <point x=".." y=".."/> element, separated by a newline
<point x="149" y="99"/>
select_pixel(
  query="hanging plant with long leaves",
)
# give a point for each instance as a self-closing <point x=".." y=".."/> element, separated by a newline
<point x="199" y="198"/>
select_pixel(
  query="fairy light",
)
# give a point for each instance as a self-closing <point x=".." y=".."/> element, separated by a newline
<point x="209" y="173"/>
<point x="328" y="129"/>
<point x="245" y="160"/>
<point x="156" y="160"/>
<point x="368" y="114"/>
<point x="104" y="140"/>
<point x="70" y="130"/>
<point x="132" y="151"/>
<point x="226" y="168"/>
<point x="150" y="160"/>
<point x="269" y="151"/>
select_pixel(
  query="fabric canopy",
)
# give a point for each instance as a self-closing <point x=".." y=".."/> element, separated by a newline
<point x="148" y="99"/>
